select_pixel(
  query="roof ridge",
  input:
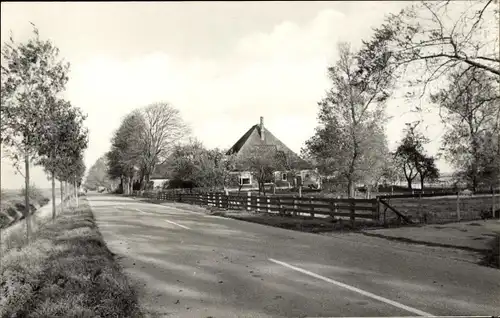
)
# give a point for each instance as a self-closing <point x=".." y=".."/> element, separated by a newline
<point x="237" y="146"/>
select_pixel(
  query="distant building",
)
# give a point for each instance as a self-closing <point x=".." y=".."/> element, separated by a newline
<point x="259" y="137"/>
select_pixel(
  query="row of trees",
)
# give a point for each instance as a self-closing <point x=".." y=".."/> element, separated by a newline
<point x="38" y="126"/>
<point x="420" y="46"/>
<point x="187" y="164"/>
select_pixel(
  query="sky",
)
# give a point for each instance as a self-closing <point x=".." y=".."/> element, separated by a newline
<point x="222" y="64"/>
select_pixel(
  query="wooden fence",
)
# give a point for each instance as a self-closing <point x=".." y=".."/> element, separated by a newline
<point x="423" y="208"/>
<point x="353" y="209"/>
<point x="427" y="208"/>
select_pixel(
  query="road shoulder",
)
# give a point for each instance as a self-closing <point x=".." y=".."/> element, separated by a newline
<point x="67" y="263"/>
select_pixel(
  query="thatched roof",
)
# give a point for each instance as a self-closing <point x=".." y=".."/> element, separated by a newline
<point x="252" y="138"/>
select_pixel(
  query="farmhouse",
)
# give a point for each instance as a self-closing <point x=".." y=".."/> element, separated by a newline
<point x="258" y="137"/>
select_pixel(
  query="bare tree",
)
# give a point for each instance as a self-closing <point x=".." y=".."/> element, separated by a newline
<point x="163" y="128"/>
<point x="432" y="39"/>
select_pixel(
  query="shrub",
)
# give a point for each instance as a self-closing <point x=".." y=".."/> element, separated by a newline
<point x="34" y="193"/>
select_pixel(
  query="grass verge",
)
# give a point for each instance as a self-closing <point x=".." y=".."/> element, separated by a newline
<point x="67" y="271"/>
<point x="492" y="257"/>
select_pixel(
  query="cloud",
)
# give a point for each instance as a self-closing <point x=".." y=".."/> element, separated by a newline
<point x="279" y="74"/>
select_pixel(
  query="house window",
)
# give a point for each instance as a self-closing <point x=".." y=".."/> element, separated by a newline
<point x="283" y="177"/>
<point x="244" y="181"/>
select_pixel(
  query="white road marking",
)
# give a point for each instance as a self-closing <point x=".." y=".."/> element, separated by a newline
<point x="179" y="225"/>
<point x="170" y="207"/>
<point x="182" y="210"/>
<point x="184" y="227"/>
<point x="215" y="217"/>
<point x="354" y="289"/>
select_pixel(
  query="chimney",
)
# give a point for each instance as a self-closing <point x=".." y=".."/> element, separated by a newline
<point x="261" y="128"/>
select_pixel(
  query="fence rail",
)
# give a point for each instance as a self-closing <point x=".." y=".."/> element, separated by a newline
<point x="421" y="208"/>
<point x="277" y="204"/>
<point x="436" y="194"/>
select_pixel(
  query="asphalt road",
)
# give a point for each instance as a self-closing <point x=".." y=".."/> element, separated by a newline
<point x="188" y="264"/>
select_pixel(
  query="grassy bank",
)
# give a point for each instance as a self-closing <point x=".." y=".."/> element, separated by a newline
<point x="12" y="205"/>
<point x="66" y="272"/>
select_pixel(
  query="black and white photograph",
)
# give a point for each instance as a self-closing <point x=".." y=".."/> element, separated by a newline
<point x="254" y="159"/>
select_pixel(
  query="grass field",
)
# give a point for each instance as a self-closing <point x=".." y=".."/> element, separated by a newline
<point x="66" y="272"/>
<point x="443" y="209"/>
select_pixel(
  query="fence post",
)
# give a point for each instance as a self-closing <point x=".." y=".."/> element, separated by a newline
<point x="493" y="204"/>
<point x="258" y="203"/>
<point x="420" y="207"/>
<point x="385" y="215"/>
<point x="295" y="206"/>
<point x="376" y="209"/>
<point x="226" y="199"/>
<point x="268" y="205"/>
<point x="352" y="213"/>
<point x="312" y="207"/>
<point x="249" y="200"/>
<point x="458" y="206"/>
<point x="278" y="202"/>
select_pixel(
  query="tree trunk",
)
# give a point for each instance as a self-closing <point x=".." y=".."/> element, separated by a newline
<point x="409" y="183"/>
<point x="53" y="196"/>
<point x="146" y="181"/>
<point x="350" y="182"/>
<point x="68" y="192"/>
<point x="76" y="193"/>
<point x="26" y="196"/>
<point x="350" y="188"/>
<point x="421" y="182"/>
<point x="62" y="195"/>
